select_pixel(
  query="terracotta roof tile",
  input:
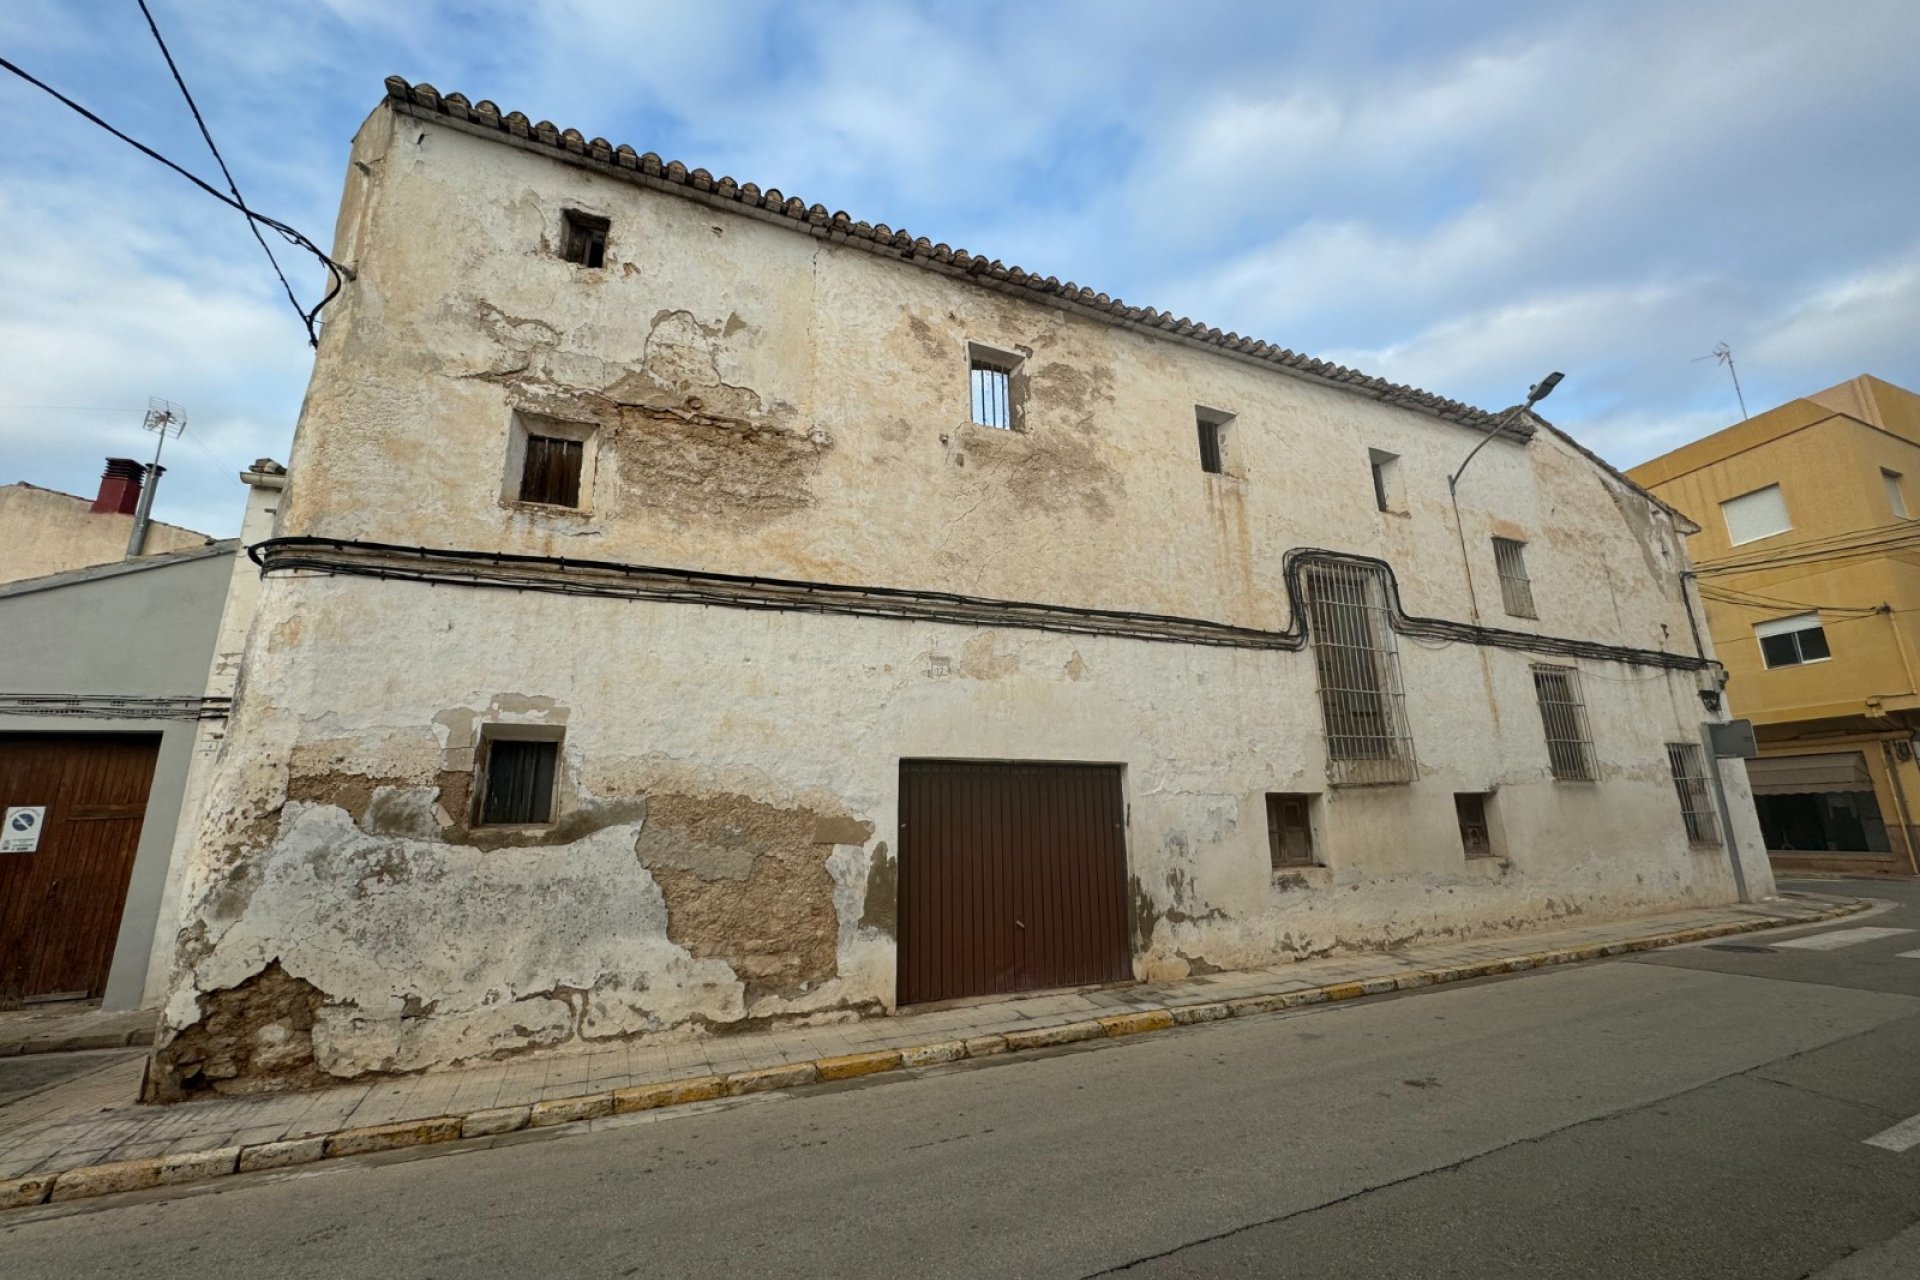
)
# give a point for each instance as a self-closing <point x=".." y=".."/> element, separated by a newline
<point x="424" y="99"/>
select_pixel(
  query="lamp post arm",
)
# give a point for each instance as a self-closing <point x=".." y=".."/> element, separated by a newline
<point x="1499" y="424"/>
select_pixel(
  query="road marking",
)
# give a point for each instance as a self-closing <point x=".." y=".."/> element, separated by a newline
<point x="1908" y="955"/>
<point x="1902" y="1136"/>
<point x="1837" y="938"/>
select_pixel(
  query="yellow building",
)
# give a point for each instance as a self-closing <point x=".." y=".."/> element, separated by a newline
<point x="1808" y="564"/>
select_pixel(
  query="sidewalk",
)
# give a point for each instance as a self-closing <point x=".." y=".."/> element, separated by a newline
<point x="70" y="1028"/>
<point x="87" y="1137"/>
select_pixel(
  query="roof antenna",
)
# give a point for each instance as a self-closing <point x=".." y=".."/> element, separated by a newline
<point x="1724" y="354"/>
<point x="164" y="418"/>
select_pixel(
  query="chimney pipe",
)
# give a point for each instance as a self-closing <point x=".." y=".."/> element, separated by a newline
<point x="120" y="487"/>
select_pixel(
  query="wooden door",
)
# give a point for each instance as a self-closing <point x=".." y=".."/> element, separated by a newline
<point x="60" y="905"/>
<point x="1012" y="878"/>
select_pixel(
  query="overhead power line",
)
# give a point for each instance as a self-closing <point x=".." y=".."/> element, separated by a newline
<point x="221" y="161"/>
<point x="339" y="274"/>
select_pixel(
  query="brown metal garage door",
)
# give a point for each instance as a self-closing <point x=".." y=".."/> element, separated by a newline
<point x="1012" y="877"/>
<point x="60" y="905"/>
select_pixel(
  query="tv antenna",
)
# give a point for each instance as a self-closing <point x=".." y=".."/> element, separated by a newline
<point x="1724" y="354"/>
<point x="164" y="418"/>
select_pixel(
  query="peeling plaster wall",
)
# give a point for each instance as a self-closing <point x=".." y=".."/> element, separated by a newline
<point x="724" y="850"/>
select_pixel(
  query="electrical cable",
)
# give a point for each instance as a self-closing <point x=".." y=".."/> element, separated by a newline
<point x="690" y="586"/>
<point x="339" y="274"/>
<point x="220" y="160"/>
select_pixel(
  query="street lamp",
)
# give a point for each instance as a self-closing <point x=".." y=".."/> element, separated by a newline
<point x="1535" y="394"/>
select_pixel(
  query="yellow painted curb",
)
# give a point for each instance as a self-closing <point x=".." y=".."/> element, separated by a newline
<point x="671" y="1093"/>
<point x="849" y="1065"/>
<point x="791" y="1076"/>
<point x="567" y="1110"/>
<point x="391" y="1137"/>
<point x="1133" y="1024"/>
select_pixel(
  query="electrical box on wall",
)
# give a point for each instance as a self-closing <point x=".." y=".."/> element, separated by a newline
<point x="1733" y="740"/>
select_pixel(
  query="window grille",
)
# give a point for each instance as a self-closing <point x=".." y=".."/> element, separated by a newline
<point x="1476" y="837"/>
<point x="1690" y="781"/>
<point x="1362" y="700"/>
<point x="1516" y="589"/>
<point x="519" y="784"/>
<point x="1289" y="830"/>
<point x="586" y="239"/>
<point x="1564" y="716"/>
<point x="992" y="394"/>
<point x="1210" y="452"/>
<point x="552" y="471"/>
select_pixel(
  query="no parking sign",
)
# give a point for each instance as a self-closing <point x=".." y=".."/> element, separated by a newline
<point x="20" y="832"/>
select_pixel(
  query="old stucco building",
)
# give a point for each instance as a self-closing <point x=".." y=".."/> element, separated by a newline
<point x="692" y="609"/>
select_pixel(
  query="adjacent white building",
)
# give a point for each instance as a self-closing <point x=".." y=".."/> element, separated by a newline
<point x="693" y="609"/>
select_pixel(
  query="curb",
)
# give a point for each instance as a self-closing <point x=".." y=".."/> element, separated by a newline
<point x="87" y="1181"/>
<point x="139" y="1037"/>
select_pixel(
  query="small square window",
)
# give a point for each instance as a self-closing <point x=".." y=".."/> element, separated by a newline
<point x="586" y="239"/>
<point x="552" y="471"/>
<point x="517" y="789"/>
<point x="1476" y="833"/>
<point x="1290" y="830"/>
<point x="1753" y="516"/>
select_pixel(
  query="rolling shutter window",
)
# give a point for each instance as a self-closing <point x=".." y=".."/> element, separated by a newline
<point x="1759" y="514"/>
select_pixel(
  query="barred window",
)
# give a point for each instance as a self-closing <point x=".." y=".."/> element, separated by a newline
<point x="1564" y="716"/>
<point x="1362" y="700"/>
<point x="995" y="390"/>
<point x="1516" y="589"/>
<point x="1696" y="803"/>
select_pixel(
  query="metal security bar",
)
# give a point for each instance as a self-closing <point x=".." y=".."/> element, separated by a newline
<point x="1516" y="589"/>
<point x="1564" y="717"/>
<point x="1696" y="802"/>
<point x="992" y="395"/>
<point x="1361" y="697"/>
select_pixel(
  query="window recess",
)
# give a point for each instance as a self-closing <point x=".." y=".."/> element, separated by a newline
<point x="1896" y="494"/>
<point x="1563" y="715"/>
<point x="1688" y="765"/>
<point x="1476" y="833"/>
<point x="1362" y="700"/>
<point x="995" y="385"/>
<point x="1389" y="489"/>
<point x="1213" y="428"/>
<point x="552" y="472"/>
<point x="585" y="242"/>
<point x="1516" y="589"/>
<point x="1792" y="642"/>
<point x="517" y="785"/>
<point x="1290" y="830"/>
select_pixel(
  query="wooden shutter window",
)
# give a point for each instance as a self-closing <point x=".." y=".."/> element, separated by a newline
<point x="519" y="783"/>
<point x="552" y="474"/>
<point x="1289" y="830"/>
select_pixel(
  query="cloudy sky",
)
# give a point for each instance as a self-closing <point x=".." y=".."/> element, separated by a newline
<point x="1458" y="195"/>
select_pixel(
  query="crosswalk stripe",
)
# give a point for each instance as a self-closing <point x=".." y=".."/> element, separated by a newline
<point x="1900" y="1137"/>
<point x="1837" y="938"/>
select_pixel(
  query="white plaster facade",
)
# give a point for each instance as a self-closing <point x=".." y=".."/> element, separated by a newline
<point x="763" y="398"/>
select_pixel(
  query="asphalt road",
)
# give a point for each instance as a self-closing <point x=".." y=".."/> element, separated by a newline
<point x="1698" y="1113"/>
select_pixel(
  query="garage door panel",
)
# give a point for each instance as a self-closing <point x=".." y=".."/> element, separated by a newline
<point x="60" y="905"/>
<point x="1012" y="877"/>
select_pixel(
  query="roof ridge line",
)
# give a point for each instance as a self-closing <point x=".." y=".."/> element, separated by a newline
<point x="484" y="116"/>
